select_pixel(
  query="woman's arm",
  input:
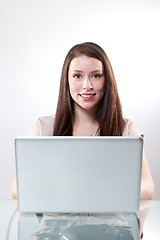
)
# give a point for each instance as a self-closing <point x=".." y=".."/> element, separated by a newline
<point x="14" y="188"/>
<point x="147" y="185"/>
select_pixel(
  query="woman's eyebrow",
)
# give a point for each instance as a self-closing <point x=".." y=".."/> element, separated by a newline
<point x="97" y="71"/>
<point x="76" y="71"/>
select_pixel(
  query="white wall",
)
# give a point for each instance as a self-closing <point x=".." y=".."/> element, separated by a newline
<point x="35" y="36"/>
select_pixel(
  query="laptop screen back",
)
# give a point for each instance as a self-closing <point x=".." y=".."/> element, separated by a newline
<point x="78" y="174"/>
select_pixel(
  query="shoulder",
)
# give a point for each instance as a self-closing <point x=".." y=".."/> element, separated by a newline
<point x="130" y="129"/>
<point x="43" y="126"/>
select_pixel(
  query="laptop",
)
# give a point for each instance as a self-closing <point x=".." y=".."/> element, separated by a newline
<point x="78" y="174"/>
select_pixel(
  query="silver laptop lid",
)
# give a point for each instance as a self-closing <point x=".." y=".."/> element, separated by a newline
<point x="78" y="174"/>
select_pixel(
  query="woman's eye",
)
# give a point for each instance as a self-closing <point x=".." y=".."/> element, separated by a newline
<point x="77" y="76"/>
<point x="96" y="76"/>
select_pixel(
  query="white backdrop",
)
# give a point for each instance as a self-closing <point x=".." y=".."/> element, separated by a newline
<point x="35" y="36"/>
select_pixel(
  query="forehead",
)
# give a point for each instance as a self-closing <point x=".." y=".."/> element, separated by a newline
<point x="85" y="63"/>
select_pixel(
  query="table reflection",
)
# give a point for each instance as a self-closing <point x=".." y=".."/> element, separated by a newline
<point x="77" y="227"/>
<point x="15" y="225"/>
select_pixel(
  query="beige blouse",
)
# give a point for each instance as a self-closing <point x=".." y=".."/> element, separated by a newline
<point x="44" y="127"/>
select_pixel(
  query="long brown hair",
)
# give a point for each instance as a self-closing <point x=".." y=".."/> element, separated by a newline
<point x="109" y="111"/>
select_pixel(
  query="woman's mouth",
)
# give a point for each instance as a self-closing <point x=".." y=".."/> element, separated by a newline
<point x="87" y="96"/>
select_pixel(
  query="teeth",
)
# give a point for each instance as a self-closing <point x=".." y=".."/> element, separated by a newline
<point x="87" y="95"/>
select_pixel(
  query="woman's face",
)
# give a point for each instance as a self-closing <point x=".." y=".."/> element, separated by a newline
<point x="86" y="81"/>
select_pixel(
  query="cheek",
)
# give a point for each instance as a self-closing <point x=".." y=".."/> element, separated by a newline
<point x="100" y="85"/>
<point x="74" y="86"/>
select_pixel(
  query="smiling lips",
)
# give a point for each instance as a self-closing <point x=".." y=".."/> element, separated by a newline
<point x="87" y="96"/>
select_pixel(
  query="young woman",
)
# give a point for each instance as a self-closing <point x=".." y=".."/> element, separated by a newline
<point x="89" y="105"/>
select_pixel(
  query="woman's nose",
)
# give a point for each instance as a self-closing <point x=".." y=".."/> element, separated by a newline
<point x="87" y="84"/>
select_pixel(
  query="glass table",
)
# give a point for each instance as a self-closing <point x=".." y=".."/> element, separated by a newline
<point x="16" y="226"/>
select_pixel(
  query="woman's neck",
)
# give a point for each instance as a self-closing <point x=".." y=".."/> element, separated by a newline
<point x="83" y="116"/>
<point x="84" y="123"/>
